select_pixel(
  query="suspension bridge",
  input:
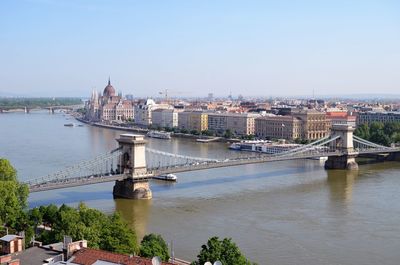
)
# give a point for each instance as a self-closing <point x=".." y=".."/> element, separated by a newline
<point x="135" y="164"/>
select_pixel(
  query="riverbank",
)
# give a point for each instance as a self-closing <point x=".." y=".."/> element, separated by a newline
<point x="114" y="127"/>
<point x="201" y="138"/>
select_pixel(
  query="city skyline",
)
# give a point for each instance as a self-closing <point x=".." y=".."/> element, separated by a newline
<point x="67" y="48"/>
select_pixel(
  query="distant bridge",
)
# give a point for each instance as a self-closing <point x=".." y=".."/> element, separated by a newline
<point x="135" y="164"/>
<point x="51" y="109"/>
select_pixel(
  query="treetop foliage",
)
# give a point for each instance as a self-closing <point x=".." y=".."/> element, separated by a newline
<point x="154" y="245"/>
<point x="223" y="250"/>
<point x="380" y="133"/>
<point x="13" y="194"/>
<point x="104" y="232"/>
<point x="7" y="171"/>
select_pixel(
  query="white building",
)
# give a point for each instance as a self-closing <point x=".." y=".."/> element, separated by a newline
<point x="142" y="112"/>
<point x="165" y="118"/>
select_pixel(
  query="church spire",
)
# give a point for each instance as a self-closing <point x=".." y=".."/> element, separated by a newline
<point x="109" y="82"/>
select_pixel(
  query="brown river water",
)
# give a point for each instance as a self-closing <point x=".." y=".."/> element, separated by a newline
<point x="292" y="212"/>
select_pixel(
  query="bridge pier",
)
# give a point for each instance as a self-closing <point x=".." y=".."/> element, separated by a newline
<point x="341" y="162"/>
<point x="345" y="144"/>
<point x="395" y="156"/>
<point x="130" y="188"/>
<point x="133" y="165"/>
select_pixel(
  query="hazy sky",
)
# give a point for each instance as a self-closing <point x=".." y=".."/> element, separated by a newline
<point x="68" y="47"/>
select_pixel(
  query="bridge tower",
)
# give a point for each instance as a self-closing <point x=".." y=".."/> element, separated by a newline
<point x="132" y="164"/>
<point x="344" y="144"/>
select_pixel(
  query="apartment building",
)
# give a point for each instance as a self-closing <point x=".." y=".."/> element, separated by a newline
<point x="165" y="118"/>
<point x="299" y="124"/>
<point x="278" y="127"/>
<point x="238" y="123"/>
<point x="383" y="116"/>
<point x="193" y="120"/>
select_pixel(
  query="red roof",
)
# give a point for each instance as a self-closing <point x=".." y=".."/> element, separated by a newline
<point x="89" y="256"/>
<point x="337" y="114"/>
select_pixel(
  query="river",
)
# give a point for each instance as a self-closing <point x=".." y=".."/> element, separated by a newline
<point x="291" y="212"/>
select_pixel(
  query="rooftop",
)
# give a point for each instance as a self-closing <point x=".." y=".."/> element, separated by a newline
<point x="36" y="255"/>
<point x="94" y="256"/>
<point x="9" y="238"/>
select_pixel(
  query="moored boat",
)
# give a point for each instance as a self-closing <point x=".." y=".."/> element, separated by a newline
<point x="260" y="146"/>
<point x="159" y="135"/>
<point x="166" y="177"/>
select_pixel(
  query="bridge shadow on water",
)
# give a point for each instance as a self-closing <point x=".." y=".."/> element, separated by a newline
<point x="69" y="196"/>
<point x="159" y="188"/>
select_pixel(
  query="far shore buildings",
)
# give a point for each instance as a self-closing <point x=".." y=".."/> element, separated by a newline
<point x="165" y="118"/>
<point x="109" y="106"/>
<point x="377" y="116"/>
<point x="240" y="124"/>
<point x="299" y="124"/>
<point x="193" y="120"/>
<point x="143" y="112"/>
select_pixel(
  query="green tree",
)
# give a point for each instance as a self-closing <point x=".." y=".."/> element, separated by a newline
<point x="118" y="237"/>
<point x="224" y="250"/>
<point x="380" y="137"/>
<point x="376" y="126"/>
<point x="49" y="213"/>
<point x="396" y="137"/>
<point x="228" y="133"/>
<point x="194" y="132"/>
<point x="101" y="231"/>
<point x="9" y="203"/>
<point x="154" y="245"/>
<point x="363" y="131"/>
<point x="13" y="195"/>
<point x="7" y="171"/>
<point x="35" y="216"/>
<point x="207" y="133"/>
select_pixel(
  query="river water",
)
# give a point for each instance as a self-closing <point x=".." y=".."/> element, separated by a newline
<point x="291" y="212"/>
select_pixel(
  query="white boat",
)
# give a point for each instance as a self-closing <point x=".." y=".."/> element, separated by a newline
<point x="166" y="177"/>
<point x="267" y="147"/>
<point x="320" y="158"/>
<point x="159" y="135"/>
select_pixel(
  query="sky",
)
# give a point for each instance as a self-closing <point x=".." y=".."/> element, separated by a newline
<point x="192" y="48"/>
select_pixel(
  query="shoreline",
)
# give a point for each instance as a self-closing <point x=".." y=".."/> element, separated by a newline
<point x="144" y="131"/>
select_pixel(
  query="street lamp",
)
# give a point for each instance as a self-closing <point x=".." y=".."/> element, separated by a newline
<point x="283" y="126"/>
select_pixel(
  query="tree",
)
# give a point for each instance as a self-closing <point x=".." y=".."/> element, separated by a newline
<point x="49" y="213"/>
<point x="363" y="131"/>
<point x="101" y="231"/>
<point x="228" y="134"/>
<point x="13" y="194"/>
<point x="224" y="250"/>
<point x="207" y="133"/>
<point x="154" y="245"/>
<point x="380" y="137"/>
<point x="9" y="203"/>
<point x="396" y="137"/>
<point x="7" y="171"/>
<point x="194" y="132"/>
<point x="118" y="237"/>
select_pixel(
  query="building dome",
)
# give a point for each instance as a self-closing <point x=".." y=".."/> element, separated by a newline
<point x="109" y="90"/>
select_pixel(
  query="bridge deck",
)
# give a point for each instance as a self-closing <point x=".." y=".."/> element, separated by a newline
<point x="88" y="180"/>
